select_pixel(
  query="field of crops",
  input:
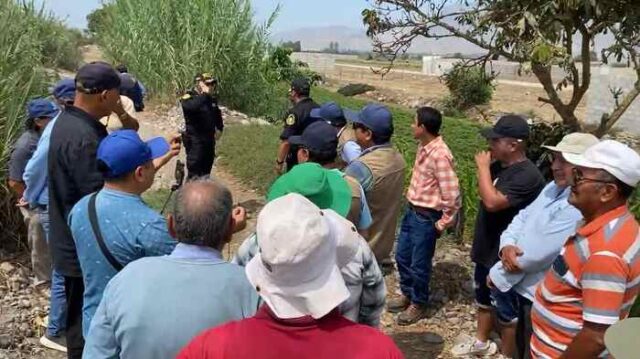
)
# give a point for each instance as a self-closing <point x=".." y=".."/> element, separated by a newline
<point x="30" y="41"/>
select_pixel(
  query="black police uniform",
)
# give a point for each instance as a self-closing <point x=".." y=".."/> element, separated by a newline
<point x="297" y="119"/>
<point x="202" y="117"/>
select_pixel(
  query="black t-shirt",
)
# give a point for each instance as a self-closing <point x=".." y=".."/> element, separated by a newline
<point x="202" y="115"/>
<point x="298" y="118"/>
<point x="521" y="183"/>
<point x="73" y="174"/>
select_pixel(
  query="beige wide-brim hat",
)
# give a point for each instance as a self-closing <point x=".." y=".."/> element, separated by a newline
<point x="574" y="143"/>
<point x="621" y="339"/>
<point x="296" y="272"/>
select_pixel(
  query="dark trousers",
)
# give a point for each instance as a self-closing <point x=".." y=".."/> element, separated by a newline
<point x="524" y="329"/>
<point x="414" y="253"/>
<point x="74" y="291"/>
<point x="200" y="155"/>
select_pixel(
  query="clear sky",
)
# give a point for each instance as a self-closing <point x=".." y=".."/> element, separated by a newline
<point x="294" y="13"/>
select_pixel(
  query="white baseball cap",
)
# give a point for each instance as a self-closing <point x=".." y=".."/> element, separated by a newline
<point x="618" y="159"/>
<point x="296" y="272"/>
<point x="575" y="143"/>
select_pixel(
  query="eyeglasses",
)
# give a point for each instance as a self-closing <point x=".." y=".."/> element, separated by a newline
<point x="578" y="177"/>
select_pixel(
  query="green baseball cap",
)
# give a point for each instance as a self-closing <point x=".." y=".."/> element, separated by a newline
<point x="327" y="189"/>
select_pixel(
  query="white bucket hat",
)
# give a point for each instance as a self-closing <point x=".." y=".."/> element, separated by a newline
<point x="618" y="159"/>
<point x="296" y="272"/>
<point x="574" y="143"/>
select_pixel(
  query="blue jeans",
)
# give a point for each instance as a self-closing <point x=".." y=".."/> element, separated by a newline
<point x="414" y="254"/>
<point x="58" y="301"/>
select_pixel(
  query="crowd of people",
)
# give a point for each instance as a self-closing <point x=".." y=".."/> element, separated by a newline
<point x="556" y="264"/>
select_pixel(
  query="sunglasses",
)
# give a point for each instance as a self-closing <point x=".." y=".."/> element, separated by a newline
<point x="578" y="177"/>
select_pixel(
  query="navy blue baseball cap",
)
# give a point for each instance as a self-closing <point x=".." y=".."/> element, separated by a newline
<point x="64" y="90"/>
<point x="123" y="151"/>
<point x="330" y="112"/>
<point x="318" y="136"/>
<point x="512" y="126"/>
<point x="96" y="77"/>
<point x="373" y="116"/>
<point x="41" y="107"/>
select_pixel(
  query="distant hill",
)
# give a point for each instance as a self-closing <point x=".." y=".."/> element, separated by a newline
<point x="349" y="38"/>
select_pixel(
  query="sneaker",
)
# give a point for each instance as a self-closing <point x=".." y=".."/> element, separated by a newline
<point x="475" y="348"/>
<point x="412" y="314"/>
<point x="398" y="304"/>
<point x="58" y="343"/>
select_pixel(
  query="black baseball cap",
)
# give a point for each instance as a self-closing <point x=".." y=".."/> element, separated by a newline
<point x="513" y="126"/>
<point x="318" y="136"/>
<point x="96" y="77"/>
<point x="301" y="85"/>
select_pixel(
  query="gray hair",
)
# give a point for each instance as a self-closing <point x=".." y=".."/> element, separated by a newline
<point x="201" y="212"/>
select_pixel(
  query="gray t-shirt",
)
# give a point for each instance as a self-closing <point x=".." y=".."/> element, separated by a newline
<point x="21" y="154"/>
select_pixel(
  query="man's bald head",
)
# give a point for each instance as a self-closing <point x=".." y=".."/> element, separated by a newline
<point x="202" y="213"/>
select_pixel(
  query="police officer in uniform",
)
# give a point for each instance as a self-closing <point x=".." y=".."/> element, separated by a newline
<point x="297" y="119"/>
<point x="203" y="125"/>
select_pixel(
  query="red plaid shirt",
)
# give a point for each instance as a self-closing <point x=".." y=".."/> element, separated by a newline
<point x="434" y="183"/>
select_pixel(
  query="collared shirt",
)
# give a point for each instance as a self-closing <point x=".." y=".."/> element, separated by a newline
<point x="329" y="337"/>
<point x="156" y="305"/>
<point x="73" y="174"/>
<point x="540" y="231"/>
<point x="434" y="183"/>
<point x="131" y="230"/>
<point x="362" y="276"/>
<point x="36" y="174"/>
<point x="596" y="278"/>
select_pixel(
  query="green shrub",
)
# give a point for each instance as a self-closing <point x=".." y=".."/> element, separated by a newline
<point x="468" y="86"/>
<point x="283" y="69"/>
<point x="25" y="46"/>
<point x="166" y="42"/>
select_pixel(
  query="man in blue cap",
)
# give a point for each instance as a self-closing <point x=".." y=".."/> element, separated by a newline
<point x="113" y="226"/>
<point x="380" y="171"/>
<point x="348" y="148"/>
<point x="40" y="112"/>
<point x="73" y="173"/>
<point x="37" y="195"/>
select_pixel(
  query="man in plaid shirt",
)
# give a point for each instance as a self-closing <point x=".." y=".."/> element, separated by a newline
<point x="433" y="201"/>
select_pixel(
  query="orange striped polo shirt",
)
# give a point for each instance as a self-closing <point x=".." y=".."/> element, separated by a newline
<point x="595" y="278"/>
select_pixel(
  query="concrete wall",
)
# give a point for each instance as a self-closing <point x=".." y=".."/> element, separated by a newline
<point x="321" y="62"/>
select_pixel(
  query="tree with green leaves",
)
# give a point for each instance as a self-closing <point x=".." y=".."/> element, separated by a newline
<point x="538" y="34"/>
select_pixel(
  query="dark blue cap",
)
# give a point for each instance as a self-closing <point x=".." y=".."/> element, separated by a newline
<point x="96" y="77"/>
<point x="330" y="112"/>
<point x="41" y="107"/>
<point x="512" y="126"/>
<point x="373" y="116"/>
<point x="123" y="151"/>
<point x="64" y="90"/>
<point x="318" y="137"/>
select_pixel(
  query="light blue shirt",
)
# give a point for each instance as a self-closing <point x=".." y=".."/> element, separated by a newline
<point x="365" y="212"/>
<point x="350" y="151"/>
<point x="35" y="174"/>
<point x="155" y="306"/>
<point x="131" y="230"/>
<point x="540" y="231"/>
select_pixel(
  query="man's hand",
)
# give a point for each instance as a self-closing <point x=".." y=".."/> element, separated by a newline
<point x="175" y="145"/>
<point x="217" y="135"/>
<point x="490" y="283"/>
<point x="239" y="216"/>
<point x="483" y="159"/>
<point x="509" y="256"/>
<point x="279" y="168"/>
<point x="203" y="87"/>
<point x="22" y="202"/>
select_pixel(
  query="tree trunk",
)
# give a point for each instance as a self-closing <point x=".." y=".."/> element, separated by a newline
<point x="607" y="121"/>
<point x="566" y="112"/>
